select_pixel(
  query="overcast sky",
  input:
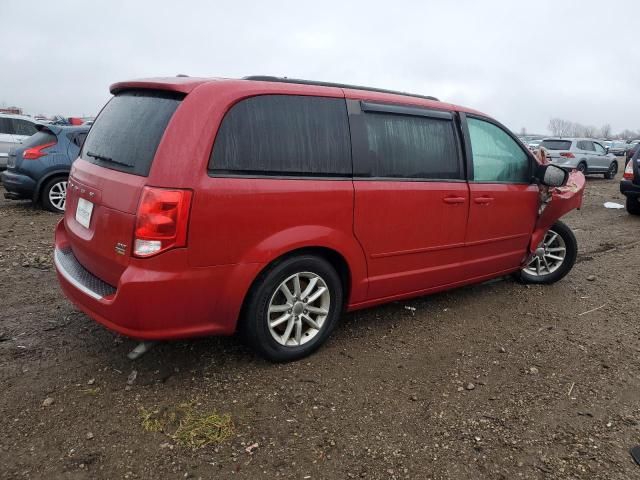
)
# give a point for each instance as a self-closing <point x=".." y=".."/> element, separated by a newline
<point x="521" y="62"/>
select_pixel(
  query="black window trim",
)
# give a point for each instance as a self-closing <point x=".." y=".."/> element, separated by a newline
<point x="414" y="111"/>
<point x="277" y="174"/>
<point x="469" y="151"/>
<point x="363" y="107"/>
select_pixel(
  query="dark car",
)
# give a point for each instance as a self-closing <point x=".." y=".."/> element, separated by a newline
<point x="632" y="151"/>
<point x="618" y="148"/>
<point x="630" y="184"/>
<point x="39" y="168"/>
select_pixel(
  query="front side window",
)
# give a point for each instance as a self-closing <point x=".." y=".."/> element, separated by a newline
<point x="599" y="149"/>
<point x="284" y="135"/>
<point x="405" y="146"/>
<point x="496" y="156"/>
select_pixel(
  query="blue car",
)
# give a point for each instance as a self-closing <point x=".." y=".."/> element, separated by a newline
<point x="38" y="169"/>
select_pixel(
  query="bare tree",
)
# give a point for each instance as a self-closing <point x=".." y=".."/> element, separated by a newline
<point x="560" y="127"/>
<point x="605" y="131"/>
<point x="523" y="132"/>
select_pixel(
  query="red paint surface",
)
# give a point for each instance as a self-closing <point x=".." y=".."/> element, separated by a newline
<point x="398" y="238"/>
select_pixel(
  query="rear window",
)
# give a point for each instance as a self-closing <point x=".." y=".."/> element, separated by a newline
<point x="284" y="135"/>
<point x="556" y="144"/>
<point x="126" y="134"/>
<point x="40" y="138"/>
<point x="23" y="127"/>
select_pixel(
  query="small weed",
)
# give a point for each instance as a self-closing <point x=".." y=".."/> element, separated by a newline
<point x="187" y="426"/>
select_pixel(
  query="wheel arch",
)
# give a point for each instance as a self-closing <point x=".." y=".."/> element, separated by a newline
<point x="37" y="191"/>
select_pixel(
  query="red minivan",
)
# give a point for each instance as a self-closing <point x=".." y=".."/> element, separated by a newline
<point x="270" y="205"/>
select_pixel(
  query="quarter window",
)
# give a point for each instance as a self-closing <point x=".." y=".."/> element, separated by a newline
<point x="405" y="146"/>
<point x="284" y="135"/>
<point x="496" y="156"/>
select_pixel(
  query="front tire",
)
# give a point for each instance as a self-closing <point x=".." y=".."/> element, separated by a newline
<point x="54" y="194"/>
<point x="292" y="308"/>
<point x="555" y="256"/>
<point x="633" y="205"/>
<point x="613" y="170"/>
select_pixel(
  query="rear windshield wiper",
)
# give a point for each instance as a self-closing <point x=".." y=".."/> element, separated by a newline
<point x="106" y="159"/>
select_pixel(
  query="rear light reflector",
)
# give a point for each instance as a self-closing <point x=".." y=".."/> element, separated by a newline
<point x="36" y="152"/>
<point x="628" y="171"/>
<point x="161" y="221"/>
<point x="567" y="155"/>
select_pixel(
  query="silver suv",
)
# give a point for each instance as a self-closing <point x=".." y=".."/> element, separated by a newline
<point x="584" y="154"/>
<point x="13" y="130"/>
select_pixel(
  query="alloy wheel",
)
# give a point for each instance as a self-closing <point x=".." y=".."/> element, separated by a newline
<point x="549" y="255"/>
<point x="58" y="194"/>
<point x="298" y="309"/>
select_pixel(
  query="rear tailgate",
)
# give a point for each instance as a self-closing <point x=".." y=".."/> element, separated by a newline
<point x="107" y="180"/>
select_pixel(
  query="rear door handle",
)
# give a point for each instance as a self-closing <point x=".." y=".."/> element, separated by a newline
<point x="454" y="200"/>
<point x="483" y="200"/>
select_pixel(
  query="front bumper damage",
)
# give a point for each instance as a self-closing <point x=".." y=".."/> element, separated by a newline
<point x="556" y="202"/>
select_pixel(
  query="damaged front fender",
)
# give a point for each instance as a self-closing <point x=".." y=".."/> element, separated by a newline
<point x="556" y="202"/>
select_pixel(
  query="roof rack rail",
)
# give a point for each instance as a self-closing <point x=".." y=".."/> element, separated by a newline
<point x="267" y="78"/>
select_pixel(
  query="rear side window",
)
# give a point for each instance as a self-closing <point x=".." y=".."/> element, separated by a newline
<point x="284" y="135"/>
<point x="556" y="144"/>
<point x="40" y="138"/>
<point x="126" y="134"/>
<point x="77" y="138"/>
<point x="405" y="146"/>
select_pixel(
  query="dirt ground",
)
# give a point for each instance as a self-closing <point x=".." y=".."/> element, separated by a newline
<point x="497" y="380"/>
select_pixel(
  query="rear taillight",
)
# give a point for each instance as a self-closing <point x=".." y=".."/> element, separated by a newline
<point x="628" y="170"/>
<point x="161" y="221"/>
<point x="36" y="152"/>
<point x="567" y="155"/>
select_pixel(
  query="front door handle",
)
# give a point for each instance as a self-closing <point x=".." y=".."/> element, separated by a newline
<point x="454" y="200"/>
<point x="483" y="200"/>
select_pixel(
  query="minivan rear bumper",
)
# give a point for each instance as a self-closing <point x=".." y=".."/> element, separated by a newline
<point x="155" y="303"/>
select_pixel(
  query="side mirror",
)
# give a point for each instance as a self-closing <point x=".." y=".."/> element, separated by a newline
<point x="606" y="150"/>
<point x="552" y="175"/>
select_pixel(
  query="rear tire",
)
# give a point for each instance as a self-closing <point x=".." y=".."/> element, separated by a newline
<point x="285" y="323"/>
<point x="549" y="270"/>
<point x="633" y="205"/>
<point x="582" y="168"/>
<point x="613" y="170"/>
<point x="54" y="194"/>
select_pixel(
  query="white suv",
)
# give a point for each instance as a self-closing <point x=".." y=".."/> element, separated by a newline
<point x="13" y="130"/>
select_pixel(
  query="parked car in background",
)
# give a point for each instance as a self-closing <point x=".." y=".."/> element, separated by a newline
<point x="583" y="154"/>
<point x="38" y="169"/>
<point x="631" y="152"/>
<point x="270" y="205"/>
<point x="630" y="184"/>
<point x="534" y="144"/>
<point x="13" y="130"/>
<point x="618" y="148"/>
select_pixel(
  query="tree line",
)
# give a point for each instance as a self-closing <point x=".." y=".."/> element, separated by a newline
<point x="565" y="128"/>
